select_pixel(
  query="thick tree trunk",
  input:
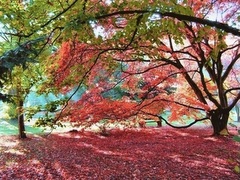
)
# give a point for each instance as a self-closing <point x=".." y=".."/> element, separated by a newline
<point x="219" y="120"/>
<point x="21" y="126"/>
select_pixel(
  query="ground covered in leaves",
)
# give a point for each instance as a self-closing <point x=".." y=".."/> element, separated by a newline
<point x="150" y="153"/>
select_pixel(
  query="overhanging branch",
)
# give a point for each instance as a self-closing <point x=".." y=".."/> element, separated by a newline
<point x="181" y="17"/>
<point x="173" y="126"/>
<point x="181" y="127"/>
<point x="43" y="25"/>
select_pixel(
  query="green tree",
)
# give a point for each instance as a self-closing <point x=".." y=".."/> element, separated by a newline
<point x="18" y="76"/>
<point x="28" y="29"/>
<point x="22" y="81"/>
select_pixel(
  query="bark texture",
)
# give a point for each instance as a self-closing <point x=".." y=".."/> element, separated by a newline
<point x="21" y="126"/>
<point x="219" y="120"/>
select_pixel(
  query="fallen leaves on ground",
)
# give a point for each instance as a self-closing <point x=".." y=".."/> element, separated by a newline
<point x="150" y="153"/>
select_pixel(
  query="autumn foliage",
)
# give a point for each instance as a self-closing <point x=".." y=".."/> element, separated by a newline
<point x="131" y="61"/>
<point x="167" y="57"/>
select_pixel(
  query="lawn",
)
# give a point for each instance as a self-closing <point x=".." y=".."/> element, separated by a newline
<point x="151" y="153"/>
<point x="10" y="127"/>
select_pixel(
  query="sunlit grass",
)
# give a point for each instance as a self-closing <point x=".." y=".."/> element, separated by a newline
<point x="10" y="127"/>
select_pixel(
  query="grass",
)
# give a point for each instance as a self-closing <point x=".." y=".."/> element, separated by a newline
<point x="10" y="127"/>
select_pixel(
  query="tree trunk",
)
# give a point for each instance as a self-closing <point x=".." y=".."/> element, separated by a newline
<point x="21" y="126"/>
<point x="159" y="123"/>
<point x="219" y="120"/>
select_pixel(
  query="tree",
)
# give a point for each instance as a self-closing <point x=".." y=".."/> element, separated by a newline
<point x="155" y="42"/>
<point x="22" y="81"/>
<point x="27" y="30"/>
<point x="17" y="78"/>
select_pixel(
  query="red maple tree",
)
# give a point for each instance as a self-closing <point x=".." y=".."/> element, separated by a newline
<point x="175" y="58"/>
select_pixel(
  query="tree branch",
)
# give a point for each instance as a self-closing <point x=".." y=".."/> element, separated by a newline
<point x="230" y="66"/>
<point x="234" y="102"/>
<point x="215" y="24"/>
<point x="181" y="17"/>
<point x="181" y="127"/>
<point x="43" y="25"/>
<point x="173" y="126"/>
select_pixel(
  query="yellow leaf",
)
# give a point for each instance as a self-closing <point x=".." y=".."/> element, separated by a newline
<point x="224" y="132"/>
<point x="237" y="169"/>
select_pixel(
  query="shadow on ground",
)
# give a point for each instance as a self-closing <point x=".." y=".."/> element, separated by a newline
<point x="150" y="153"/>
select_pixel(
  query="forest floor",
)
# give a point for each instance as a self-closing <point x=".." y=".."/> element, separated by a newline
<point x="150" y="153"/>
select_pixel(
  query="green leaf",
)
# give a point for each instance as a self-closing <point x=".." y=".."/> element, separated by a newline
<point x="236" y="138"/>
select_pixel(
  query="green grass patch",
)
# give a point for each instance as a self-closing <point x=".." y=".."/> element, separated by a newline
<point x="10" y="127"/>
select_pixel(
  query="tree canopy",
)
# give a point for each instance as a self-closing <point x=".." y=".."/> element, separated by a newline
<point x="181" y="56"/>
